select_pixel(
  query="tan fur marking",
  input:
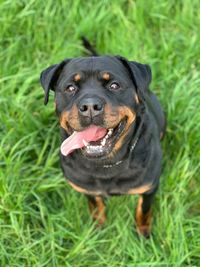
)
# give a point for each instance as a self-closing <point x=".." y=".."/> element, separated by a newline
<point x="64" y="119"/>
<point x="125" y="112"/>
<point x="77" y="77"/>
<point x="72" y="117"/>
<point x="139" y="190"/>
<point x="82" y="190"/>
<point x="106" y="76"/>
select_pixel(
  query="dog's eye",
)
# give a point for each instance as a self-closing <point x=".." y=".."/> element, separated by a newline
<point x="70" y="89"/>
<point x="114" y="86"/>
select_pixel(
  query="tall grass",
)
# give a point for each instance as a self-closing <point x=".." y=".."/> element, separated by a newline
<point x="43" y="222"/>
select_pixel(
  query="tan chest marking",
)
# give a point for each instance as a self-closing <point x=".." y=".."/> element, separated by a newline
<point x="134" y="191"/>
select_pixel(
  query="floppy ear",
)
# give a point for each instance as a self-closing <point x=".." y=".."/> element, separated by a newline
<point x="49" y="77"/>
<point x="140" y="75"/>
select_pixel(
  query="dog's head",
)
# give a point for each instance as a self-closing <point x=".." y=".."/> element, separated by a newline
<point x="96" y="99"/>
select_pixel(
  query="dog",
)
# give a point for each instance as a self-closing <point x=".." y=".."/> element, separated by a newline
<point x="111" y="126"/>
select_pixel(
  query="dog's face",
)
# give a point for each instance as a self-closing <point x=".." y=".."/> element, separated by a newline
<point x="99" y="94"/>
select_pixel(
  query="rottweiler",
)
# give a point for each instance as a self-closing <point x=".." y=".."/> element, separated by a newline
<point x="111" y="126"/>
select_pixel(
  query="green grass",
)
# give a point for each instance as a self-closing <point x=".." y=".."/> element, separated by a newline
<point x="43" y="222"/>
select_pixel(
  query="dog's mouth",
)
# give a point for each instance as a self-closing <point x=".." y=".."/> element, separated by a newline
<point x="94" y="141"/>
<point x="104" y="146"/>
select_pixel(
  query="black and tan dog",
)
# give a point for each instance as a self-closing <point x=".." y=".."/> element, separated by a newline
<point x="111" y="127"/>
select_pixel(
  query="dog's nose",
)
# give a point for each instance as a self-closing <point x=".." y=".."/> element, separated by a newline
<point x="91" y="107"/>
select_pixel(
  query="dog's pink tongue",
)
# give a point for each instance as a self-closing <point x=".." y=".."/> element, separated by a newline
<point x="81" y="139"/>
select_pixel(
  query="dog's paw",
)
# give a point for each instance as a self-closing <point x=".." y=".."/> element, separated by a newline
<point x="144" y="230"/>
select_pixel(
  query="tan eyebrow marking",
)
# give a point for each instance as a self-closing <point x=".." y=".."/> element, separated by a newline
<point x="106" y="76"/>
<point x="77" y="77"/>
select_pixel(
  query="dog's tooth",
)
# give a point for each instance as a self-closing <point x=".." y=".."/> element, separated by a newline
<point x="110" y="132"/>
<point x="85" y="143"/>
<point x="103" y="142"/>
<point x="107" y="136"/>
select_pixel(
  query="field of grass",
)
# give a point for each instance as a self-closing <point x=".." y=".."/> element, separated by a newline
<point x="43" y="222"/>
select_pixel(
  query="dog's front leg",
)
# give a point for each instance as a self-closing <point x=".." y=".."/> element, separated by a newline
<point x="97" y="209"/>
<point x="143" y="214"/>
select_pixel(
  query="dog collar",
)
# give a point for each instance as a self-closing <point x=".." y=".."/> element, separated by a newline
<point x="112" y="165"/>
<point x="120" y="161"/>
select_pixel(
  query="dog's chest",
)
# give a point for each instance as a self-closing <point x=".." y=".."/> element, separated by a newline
<point x="106" y="180"/>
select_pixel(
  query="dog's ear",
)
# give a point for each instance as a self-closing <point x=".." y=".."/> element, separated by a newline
<point x="49" y="77"/>
<point x="140" y="75"/>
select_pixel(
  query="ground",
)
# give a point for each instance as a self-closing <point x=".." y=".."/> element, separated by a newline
<point x="43" y="222"/>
